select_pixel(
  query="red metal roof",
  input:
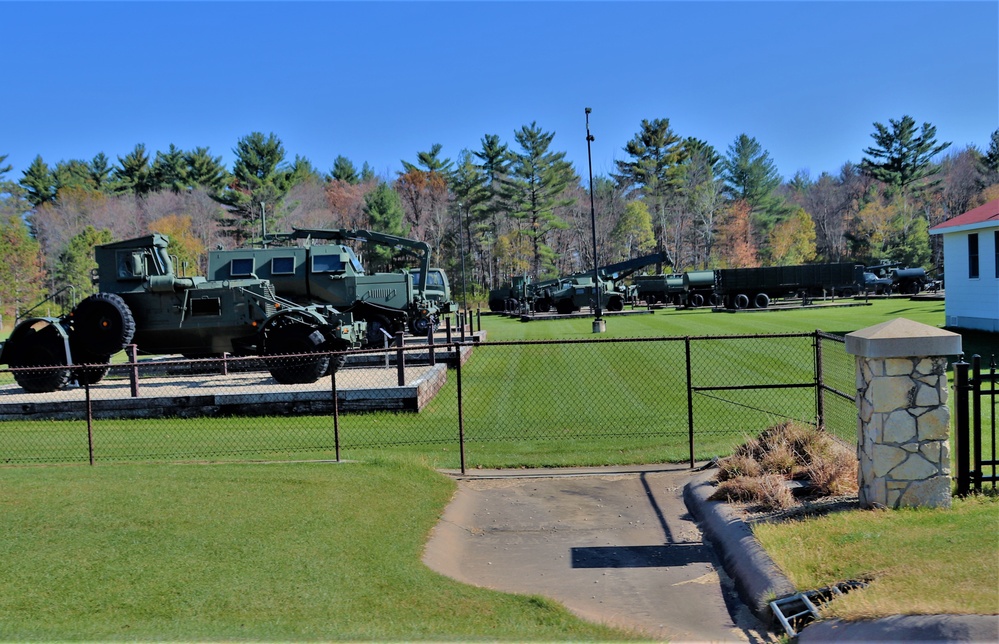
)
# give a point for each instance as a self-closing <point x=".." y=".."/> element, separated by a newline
<point x="980" y="215"/>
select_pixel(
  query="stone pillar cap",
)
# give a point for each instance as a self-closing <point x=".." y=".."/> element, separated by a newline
<point x="902" y="338"/>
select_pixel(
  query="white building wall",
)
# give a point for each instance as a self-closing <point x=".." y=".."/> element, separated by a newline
<point x="971" y="303"/>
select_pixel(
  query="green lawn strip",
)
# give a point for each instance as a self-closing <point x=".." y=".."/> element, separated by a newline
<point x="919" y="561"/>
<point x="307" y="551"/>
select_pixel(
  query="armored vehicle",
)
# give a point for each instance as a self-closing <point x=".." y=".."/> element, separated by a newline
<point x="142" y="301"/>
<point x="579" y="290"/>
<point x="318" y="272"/>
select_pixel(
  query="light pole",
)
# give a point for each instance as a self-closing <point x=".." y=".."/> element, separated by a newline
<point x="599" y="325"/>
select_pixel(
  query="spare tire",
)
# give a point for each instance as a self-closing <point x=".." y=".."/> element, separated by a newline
<point x="103" y="323"/>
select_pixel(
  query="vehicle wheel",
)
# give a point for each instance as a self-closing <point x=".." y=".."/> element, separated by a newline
<point x="761" y="301"/>
<point x="90" y="368"/>
<point x="41" y="346"/>
<point x="696" y="300"/>
<point x="615" y="304"/>
<point x="103" y="323"/>
<point x="716" y="300"/>
<point x="337" y="360"/>
<point x="376" y="323"/>
<point x="741" y="301"/>
<point x="544" y="305"/>
<point x="496" y="305"/>
<point x="847" y="292"/>
<point x="295" y="338"/>
<point x="565" y="307"/>
<point x="422" y="326"/>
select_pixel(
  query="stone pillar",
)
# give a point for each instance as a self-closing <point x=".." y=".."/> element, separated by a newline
<point x="903" y="423"/>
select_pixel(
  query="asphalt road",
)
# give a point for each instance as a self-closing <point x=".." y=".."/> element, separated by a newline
<point x="614" y="545"/>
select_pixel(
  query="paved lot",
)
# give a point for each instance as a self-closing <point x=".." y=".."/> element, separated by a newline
<point x="614" y="545"/>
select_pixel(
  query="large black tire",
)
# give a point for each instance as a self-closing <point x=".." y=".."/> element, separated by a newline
<point x="544" y="305"/>
<point x="40" y="346"/>
<point x="615" y="304"/>
<point x="565" y="306"/>
<point x="103" y="323"/>
<point x="496" y="305"/>
<point x="293" y="338"/>
<point x="696" y="300"/>
<point x="89" y="368"/>
<point x="377" y="322"/>
<point x="423" y="325"/>
<point x="741" y="301"/>
<point x="761" y="301"/>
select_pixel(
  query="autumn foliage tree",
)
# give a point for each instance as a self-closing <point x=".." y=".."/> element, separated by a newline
<point x="734" y="244"/>
<point x="792" y="241"/>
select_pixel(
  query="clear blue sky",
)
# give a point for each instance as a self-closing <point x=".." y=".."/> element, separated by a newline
<point x="379" y="82"/>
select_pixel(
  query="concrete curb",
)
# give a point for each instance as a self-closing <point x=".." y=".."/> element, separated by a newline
<point x="906" y="628"/>
<point x="757" y="578"/>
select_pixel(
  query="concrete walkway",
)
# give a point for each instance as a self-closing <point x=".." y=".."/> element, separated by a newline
<point x="614" y="545"/>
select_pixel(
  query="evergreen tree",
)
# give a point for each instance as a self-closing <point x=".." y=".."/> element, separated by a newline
<point x="751" y="176"/>
<point x="344" y="170"/>
<point x="259" y="177"/>
<point x="39" y="183"/>
<point x="383" y="209"/>
<point x="100" y="173"/>
<point x="205" y="171"/>
<point x="495" y="160"/>
<point x="169" y="171"/>
<point x="76" y="262"/>
<point x="990" y="162"/>
<point x="73" y="174"/>
<point x="301" y="171"/>
<point x="656" y="153"/>
<point x="537" y="190"/>
<point x="902" y="158"/>
<point x="134" y="173"/>
<point x="471" y="195"/>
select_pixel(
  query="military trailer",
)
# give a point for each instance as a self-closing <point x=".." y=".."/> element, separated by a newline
<point x="698" y="287"/>
<point x="660" y="289"/>
<point x="741" y="288"/>
<point x="318" y="272"/>
<point x="141" y="301"/>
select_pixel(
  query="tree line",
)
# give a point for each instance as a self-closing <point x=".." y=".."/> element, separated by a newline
<point x="505" y="208"/>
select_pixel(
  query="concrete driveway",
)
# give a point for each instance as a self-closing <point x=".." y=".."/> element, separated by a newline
<point x="614" y="545"/>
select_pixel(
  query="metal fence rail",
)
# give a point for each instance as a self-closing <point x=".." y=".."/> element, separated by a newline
<point x="669" y="398"/>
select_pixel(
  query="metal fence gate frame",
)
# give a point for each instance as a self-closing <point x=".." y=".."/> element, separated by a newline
<point x="971" y="385"/>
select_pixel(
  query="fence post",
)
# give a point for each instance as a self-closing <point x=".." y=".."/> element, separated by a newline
<point x="976" y="420"/>
<point x="336" y="417"/>
<point x="430" y="346"/>
<point x="134" y="371"/>
<point x="90" y="424"/>
<point x="461" y="321"/>
<point x="400" y="361"/>
<point x="903" y="418"/>
<point x="447" y="329"/>
<point x="461" y="414"/>
<point x="961" y="429"/>
<point x="690" y="402"/>
<point x="820" y="397"/>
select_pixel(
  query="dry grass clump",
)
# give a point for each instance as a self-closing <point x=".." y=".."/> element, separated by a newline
<point x="759" y="469"/>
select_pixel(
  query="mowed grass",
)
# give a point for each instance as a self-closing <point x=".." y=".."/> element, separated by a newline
<point x="273" y="552"/>
<point x="917" y="561"/>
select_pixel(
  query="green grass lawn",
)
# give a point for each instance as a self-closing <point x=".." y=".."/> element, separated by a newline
<point x="274" y="552"/>
<point x="296" y="551"/>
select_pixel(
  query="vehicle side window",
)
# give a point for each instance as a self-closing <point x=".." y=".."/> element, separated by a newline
<point x="130" y="265"/>
<point x="242" y="267"/>
<point x="327" y="264"/>
<point x="283" y="266"/>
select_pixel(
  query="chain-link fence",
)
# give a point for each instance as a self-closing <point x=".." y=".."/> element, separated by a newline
<point x="463" y="404"/>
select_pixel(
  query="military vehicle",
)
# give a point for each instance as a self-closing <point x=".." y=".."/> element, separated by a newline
<point x="579" y="290"/>
<point x="740" y="288"/>
<point x="318" y="272"/>
<point x="523" y="294"/>
<point x="142" y="301"/>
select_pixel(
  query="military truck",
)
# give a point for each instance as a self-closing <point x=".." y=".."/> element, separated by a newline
<point x="142" y="301"/>
<point x="741" y="288"/>
<point x="317" y="272"/>
<point x="579" y="290"/>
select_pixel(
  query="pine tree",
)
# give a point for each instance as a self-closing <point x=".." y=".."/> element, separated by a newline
<point x="344" y="170"/>
<point x="39" y="183"/>
<point x="169" y="171"/>
<point x="205" y="171"/>
<point x="259" y="177"/>
<point x="134" y="173"/>
<point x="901" y="158"/>
<point x="76" y="262"/>
<point x="751" y="176"/>
<point x="537" y="189"/>
<point x="383" y="209"/>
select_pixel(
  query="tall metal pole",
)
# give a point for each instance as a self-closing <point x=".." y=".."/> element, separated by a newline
<point x="598" y="323"/>
<point x="461" y="242"/>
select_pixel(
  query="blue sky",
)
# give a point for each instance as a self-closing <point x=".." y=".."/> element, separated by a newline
<point x="378" y="82"/>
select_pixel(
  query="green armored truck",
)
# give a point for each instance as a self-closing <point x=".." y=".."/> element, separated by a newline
<point x="142" y="301"/>
<point x="319" y="272"/>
